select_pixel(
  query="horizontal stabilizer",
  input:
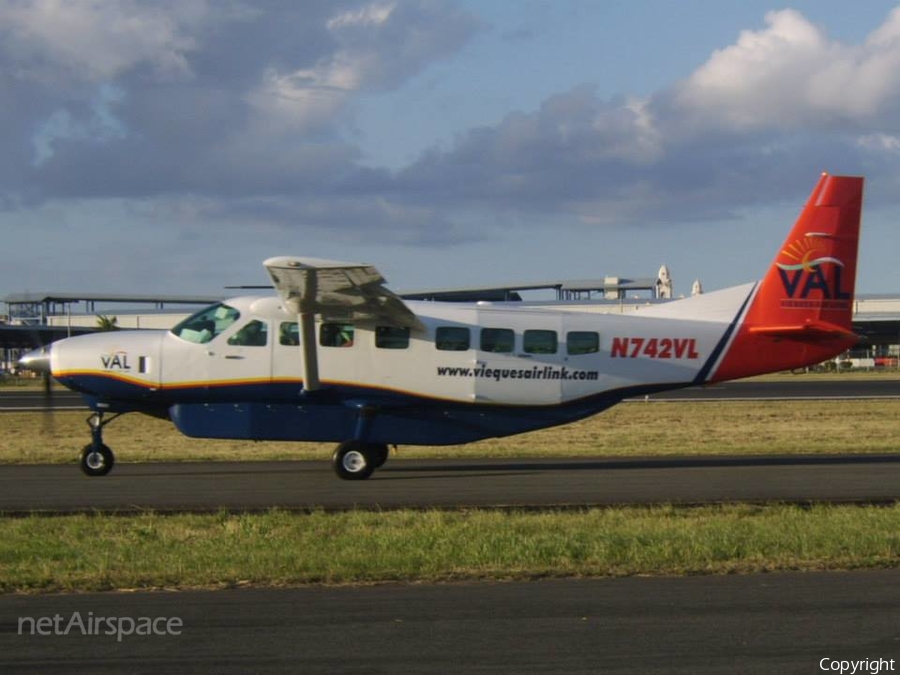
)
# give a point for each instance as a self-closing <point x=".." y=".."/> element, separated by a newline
<point x="338" y="291"/>
<point x="808" y="332"/>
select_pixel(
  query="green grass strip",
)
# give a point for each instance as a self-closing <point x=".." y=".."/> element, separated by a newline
<point x="90" y="553"/>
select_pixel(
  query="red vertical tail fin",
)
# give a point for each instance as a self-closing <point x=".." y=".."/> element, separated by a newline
<point x="802" y="310"/>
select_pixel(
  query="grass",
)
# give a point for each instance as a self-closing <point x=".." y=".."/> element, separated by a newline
<point x="91" y="553"/>
<point x="629" y="429"/>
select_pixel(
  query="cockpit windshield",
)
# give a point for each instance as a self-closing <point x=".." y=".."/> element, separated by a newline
<point x="207" y="323"/>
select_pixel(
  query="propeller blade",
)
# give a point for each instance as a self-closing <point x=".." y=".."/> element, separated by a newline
<point x="38" y="361"/>
<point x="48" y="418"/>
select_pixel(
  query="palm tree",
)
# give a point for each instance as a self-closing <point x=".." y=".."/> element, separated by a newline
<point x="105" y="323"/>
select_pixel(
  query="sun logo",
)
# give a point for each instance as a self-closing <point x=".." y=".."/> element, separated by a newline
<point x="804" y="278"/>
<point x="804" y="254"/>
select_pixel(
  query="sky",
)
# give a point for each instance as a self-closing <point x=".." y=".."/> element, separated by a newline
<point x="170" y="146"/>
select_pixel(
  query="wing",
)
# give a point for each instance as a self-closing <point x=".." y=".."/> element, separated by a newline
<point x="338" y="291"/>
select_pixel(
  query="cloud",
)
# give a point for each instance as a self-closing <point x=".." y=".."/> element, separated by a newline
<point x="228" y="100"/>
<point x="95" y="40"/>
<point x="100" y="126"/>
<point x="377" y="47"/>
<point x="548" y="160"/>
<point x="377" y="217"/>
<point x="152" y="128"/>
<point x="241" y="108"/>
<point x="750" y="125"/>
<point x="791" y="75"/>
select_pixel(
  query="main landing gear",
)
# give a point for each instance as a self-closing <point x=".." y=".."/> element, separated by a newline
<point x="356" y="460"/>
<point x="96" y="457"/>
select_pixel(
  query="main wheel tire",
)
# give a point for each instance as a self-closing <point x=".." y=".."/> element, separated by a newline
<point x="353" y="461"/>
<point x="97" y="461"/>
<point x="379" y="453"/>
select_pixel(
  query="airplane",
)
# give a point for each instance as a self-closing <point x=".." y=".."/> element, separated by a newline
<point x="338" y="357"/>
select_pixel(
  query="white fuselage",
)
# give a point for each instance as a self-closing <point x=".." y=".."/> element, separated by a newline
<point x="479" y="353"/>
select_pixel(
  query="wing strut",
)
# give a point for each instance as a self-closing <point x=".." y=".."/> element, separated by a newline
<point x="310" y="357"/>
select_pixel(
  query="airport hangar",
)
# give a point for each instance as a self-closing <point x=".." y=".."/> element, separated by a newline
<point x="35" y="319"/>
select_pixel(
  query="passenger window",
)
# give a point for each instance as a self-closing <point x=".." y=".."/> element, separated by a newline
<point x="289" y="333"/>
<point x="582" y="342"/>
<point x="391" y="337"/>
<point x="452" y="338"/>
<point x="539" y="342"/>
<point x="497" y="340"/>
<point x="254" y="334"/>
<point x="336" y="335"/>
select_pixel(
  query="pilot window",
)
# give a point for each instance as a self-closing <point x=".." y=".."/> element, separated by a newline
<point x="289" y="333"/>
<point x="497" y="340"/>
<point x="254" y="334"/>
<point x="336" y="335"/>
<point x="539" y="342"/>
<point x="582" y="342"/>
<point x="207" y="323"/>
<point x="391" y="337"/>
<point x="452" y="338"/>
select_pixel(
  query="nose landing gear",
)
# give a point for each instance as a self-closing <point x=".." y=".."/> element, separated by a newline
<point x="96" y="457"/>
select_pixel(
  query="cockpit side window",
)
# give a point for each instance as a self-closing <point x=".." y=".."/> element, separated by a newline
<point x="207" y="323"/>
<point x="254" y="334"/>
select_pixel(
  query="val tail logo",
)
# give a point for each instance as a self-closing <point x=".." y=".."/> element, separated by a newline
<point x="803" y="271"/>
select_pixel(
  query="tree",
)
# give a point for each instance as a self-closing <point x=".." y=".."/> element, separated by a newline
<point x="105" y="323"/>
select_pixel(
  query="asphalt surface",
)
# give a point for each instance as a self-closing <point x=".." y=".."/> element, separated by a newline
<point x="453" y="484"/>
<point x="766" y="623"/>
<point x="27" y="401"/>
<point x="869" y="388"/>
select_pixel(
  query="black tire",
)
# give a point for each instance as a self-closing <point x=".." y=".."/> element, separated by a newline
<point x="353" y="461"/>
<point x="379" y="453"/>
<point x="97" y="461"/>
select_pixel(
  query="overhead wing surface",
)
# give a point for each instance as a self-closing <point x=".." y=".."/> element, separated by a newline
<point x="338" y="291"/>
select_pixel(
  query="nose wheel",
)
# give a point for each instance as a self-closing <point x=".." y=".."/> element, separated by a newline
<point x="97" y="461"/>
<point x="96" y="457"/>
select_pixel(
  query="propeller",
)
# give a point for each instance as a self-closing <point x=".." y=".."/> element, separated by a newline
<point x="38" y="361"/>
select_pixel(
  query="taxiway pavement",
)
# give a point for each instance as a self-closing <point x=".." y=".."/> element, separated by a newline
<point x="453" y="484"/>
<point x="764" y="623"/>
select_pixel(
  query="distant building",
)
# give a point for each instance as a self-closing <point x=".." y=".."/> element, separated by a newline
<point x="664" y="284"/>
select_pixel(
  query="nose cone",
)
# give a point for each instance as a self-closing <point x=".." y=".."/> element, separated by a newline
<point x="37" y="361"/>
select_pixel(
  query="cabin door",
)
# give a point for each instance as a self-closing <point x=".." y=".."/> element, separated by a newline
<point x="241" y="357"/>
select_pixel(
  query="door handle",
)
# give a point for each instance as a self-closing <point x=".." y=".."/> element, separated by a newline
<point x="233" y="356"/>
